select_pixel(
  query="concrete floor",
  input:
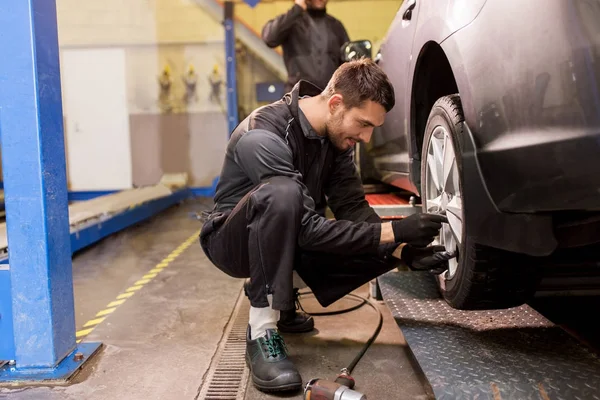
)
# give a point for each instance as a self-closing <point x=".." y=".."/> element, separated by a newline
<point x="386" y="371"/>
<point x="159" y="344"/>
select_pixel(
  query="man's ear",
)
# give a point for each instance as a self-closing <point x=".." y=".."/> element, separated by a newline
<point x="335" y="102"/>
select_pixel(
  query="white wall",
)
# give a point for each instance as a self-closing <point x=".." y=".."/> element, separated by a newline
<point x="97" y="119"/>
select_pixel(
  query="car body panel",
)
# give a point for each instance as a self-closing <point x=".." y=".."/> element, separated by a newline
<point x="387" y="149"/>
<point x="390" y="148"/>
<point x="532" y="99"/>
<point x="529" y="84"/>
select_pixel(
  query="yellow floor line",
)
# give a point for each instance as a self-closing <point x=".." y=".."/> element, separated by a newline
<point x="147" y="278"/>
<point x="116" y="303"/>
<point x="83" y="332"/>
<point x="94" y="322"/>
<point x="106" y="312"/>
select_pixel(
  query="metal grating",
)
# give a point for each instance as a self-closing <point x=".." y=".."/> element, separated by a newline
<point x="227" y="375"/>
<point x="500" y="354"/>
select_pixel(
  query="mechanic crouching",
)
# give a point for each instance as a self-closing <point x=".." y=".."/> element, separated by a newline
<point x="284" y="164"/>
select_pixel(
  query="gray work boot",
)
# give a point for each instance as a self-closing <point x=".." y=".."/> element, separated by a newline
<point x="270" y="367"/>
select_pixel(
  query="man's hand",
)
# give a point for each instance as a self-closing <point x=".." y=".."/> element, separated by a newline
<point x="301" y="3"/>
<point x="433" y="258"/>
<point x="418" y="229"/>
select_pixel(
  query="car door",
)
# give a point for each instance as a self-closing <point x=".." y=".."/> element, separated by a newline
<point x="388" y="149"/>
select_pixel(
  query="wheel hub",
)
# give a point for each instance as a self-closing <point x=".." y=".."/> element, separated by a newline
<point x="442" y="193"/>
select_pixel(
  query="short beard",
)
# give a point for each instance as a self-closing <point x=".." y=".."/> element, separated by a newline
<point x="331" y="130"/>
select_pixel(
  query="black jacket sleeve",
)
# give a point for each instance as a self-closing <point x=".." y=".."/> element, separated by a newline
<point x="345" y="193"/>
<point x="261" y="155"/>
<point x="276" y="30"/>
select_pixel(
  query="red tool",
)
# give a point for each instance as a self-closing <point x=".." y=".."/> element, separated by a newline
<point x="340" y="389"/>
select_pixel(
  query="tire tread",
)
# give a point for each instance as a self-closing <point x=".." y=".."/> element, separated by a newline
<point x="492" y="278"/>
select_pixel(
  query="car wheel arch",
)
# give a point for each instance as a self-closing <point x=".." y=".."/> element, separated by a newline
<point x="433" y="77"/>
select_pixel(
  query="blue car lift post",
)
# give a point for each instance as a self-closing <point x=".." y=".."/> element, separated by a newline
<point x="230" y="62"/>
<point x="37" y="321"/>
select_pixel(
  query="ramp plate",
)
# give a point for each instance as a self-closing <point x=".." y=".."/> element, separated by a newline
<point x="499" y="354"/>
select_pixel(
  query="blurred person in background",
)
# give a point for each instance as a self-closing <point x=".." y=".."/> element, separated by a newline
<point x="311" y="41"/>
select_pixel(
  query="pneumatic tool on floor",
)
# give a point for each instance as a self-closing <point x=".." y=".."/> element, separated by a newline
<point x="340" y="389"/>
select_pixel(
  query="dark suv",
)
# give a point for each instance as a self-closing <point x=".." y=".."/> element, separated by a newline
<point x="497" y="125"/>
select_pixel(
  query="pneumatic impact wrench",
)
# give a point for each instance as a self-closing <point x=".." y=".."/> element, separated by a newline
<point x="340" y="389"/>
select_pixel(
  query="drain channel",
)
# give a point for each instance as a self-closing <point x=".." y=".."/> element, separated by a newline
<point x="227" y="376"/>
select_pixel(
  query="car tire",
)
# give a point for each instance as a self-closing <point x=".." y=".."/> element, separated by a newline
<point x="479" y="277"/>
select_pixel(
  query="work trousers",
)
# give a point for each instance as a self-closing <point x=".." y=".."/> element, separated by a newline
<point x="258" y="239"/>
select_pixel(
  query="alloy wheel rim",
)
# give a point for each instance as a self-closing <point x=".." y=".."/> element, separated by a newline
<point x="442" y="193"/>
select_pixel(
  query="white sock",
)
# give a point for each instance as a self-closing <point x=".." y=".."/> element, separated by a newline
<point x="262" y="319"/>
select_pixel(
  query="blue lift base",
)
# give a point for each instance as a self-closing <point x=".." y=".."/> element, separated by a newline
<point x="61" y="375"/>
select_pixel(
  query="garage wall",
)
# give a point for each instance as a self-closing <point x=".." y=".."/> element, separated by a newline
<point x="97" y="125"/>
<point x="168" y="134"/>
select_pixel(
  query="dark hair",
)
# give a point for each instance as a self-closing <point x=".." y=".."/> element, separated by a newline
<point x="359" y="81"/>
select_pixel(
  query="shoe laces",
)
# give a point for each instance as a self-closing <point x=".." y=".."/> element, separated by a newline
<point x="275" y="345"/>
<point x="297" y="300"/>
